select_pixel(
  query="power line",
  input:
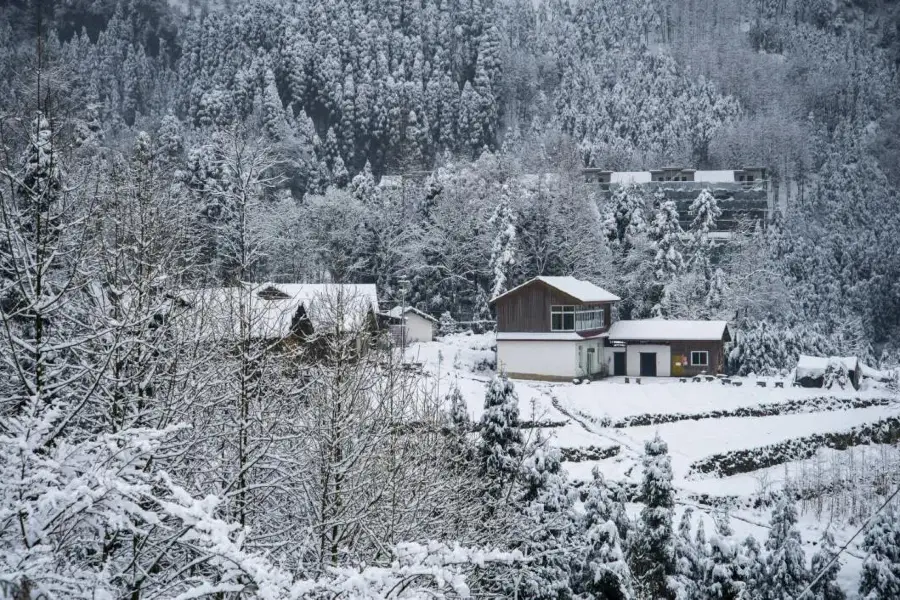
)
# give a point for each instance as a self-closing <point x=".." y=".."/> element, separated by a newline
<point x="847" y="545"/>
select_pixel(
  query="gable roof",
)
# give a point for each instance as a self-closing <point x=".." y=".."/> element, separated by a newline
<point x="664" y="329"/>
<point x="269" y="308"/>
<point x="583" y="291"/>
<point x="397" y="311"/>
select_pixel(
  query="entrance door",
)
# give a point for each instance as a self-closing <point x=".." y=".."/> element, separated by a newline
<point x="619" y="364"/>
<point x="590" y="361"/>
<point x="648" y="364"/>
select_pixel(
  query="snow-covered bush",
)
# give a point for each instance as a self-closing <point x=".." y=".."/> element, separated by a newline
<point x="447" y="324"/>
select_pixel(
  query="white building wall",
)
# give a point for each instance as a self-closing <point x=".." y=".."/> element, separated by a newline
<point x="663" y="359"/>
<point x="538" y="358"/>
<point x="608" y="356"/>
<point x="418" y="329"/>
<point x="581" y="358"/>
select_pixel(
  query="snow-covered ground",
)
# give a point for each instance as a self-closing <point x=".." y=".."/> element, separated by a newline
<point x="588" y="409"/>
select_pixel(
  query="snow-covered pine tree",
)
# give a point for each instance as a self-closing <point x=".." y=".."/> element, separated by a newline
<point x="688" y="566"/>
<point x="723" y="521"/>
<point x="606" y="573"/>
<point x="547" y="524"/>
<point x="721" y="577"/>
<point x="665" y="236"/>
<point x="626" y="213"/>
<point x="460" y="426"/>
<point x="665" y="232"/>
<point x="363" y="187"/>
<point x="705" y="209"/>
<point x="750" y="565"/>
<point x="501" y="448"/>
<point x="880" y="575"/>
<point x="653" y="552"/>
<point x="717" y="296"/>
<point x="447" y="324"/>
<point x="700" y="537"/>
<point x="503" y="249"/>
<point x="785" y="565"/>
<point x="826" y="587"/>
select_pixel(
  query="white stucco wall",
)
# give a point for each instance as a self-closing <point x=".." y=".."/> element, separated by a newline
<point x="599" y="357"/>
<point x="663" y="359"/>
<point x="418" y="329"/>
<point x="610" y="361"/>
<point x="530" y="357"/>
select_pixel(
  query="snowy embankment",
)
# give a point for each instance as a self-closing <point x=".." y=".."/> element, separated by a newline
<point x="706" y="425"/>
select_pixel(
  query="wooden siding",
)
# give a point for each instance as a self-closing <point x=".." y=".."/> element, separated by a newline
<point x="683" y="348"/>
<point x="527" y="310"/>
<point x="716" y="351"/>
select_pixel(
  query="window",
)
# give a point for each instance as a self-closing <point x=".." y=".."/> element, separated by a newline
<point x="588" y="318"/>
<point x="699" y="358"/>
<point x="562" y="318"/>
<point x="568" y="318"/>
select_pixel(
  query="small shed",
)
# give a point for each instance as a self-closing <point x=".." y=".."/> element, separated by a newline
<point x="409" y="324"/>
<point x="811" y="370"/>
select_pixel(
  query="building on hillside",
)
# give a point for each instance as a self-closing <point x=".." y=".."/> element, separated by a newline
<point x="560" y="328"/>
<point x="553" y="328"/>
<point x="741" y="193"/>
<point x="408" y="325"/>
<point x="279" y="311"/>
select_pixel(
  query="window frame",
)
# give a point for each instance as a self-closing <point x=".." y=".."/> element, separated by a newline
<point x="698" y="364"/>
<point x="562" y="310"/>
<point x="598" y="321"/>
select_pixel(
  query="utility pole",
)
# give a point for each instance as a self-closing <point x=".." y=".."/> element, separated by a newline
<point x="404" y="284"/>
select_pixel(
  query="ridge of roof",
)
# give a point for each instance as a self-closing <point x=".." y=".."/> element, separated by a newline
<point x="581" y="290"/>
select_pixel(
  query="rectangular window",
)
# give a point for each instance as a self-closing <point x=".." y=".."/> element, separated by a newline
<point x="588" y="318"/>
<point x="699" y="358"/>
<point x="562" y="318"/>
<point x="746" y="180"/>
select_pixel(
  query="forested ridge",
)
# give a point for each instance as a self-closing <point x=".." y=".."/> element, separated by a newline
<point x="150" y="151"/>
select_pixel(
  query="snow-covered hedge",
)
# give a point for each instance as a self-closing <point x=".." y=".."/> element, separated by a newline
<point x="589" y="453"/>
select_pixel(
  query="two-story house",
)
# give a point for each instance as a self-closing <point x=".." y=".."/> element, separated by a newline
<point x="559" y="328"/>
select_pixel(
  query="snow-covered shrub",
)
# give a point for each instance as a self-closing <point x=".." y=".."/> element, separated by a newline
<point x="447" y="324"/>
<point x="836" y="375"/>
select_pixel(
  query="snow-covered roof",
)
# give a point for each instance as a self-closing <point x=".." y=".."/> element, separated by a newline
<point x="815" y="366"/>
<point x="391" y="181"/>
<point x="549" y="336"/>
<point x="664" y="329"/>
<point x="397" y="311"/>
<point x="714" y="176"/>
<point x="583" y="291"/>
<point x="268" y="309"/>
<point x="630" y="177"/>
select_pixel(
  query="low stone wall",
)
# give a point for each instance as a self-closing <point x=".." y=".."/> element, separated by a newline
<point x="789" y="407"/>
<point x="885" y="431"/>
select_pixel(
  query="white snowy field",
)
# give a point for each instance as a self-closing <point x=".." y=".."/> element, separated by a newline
<point x="462" y="360"/>
<point x="588" y="409"/>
